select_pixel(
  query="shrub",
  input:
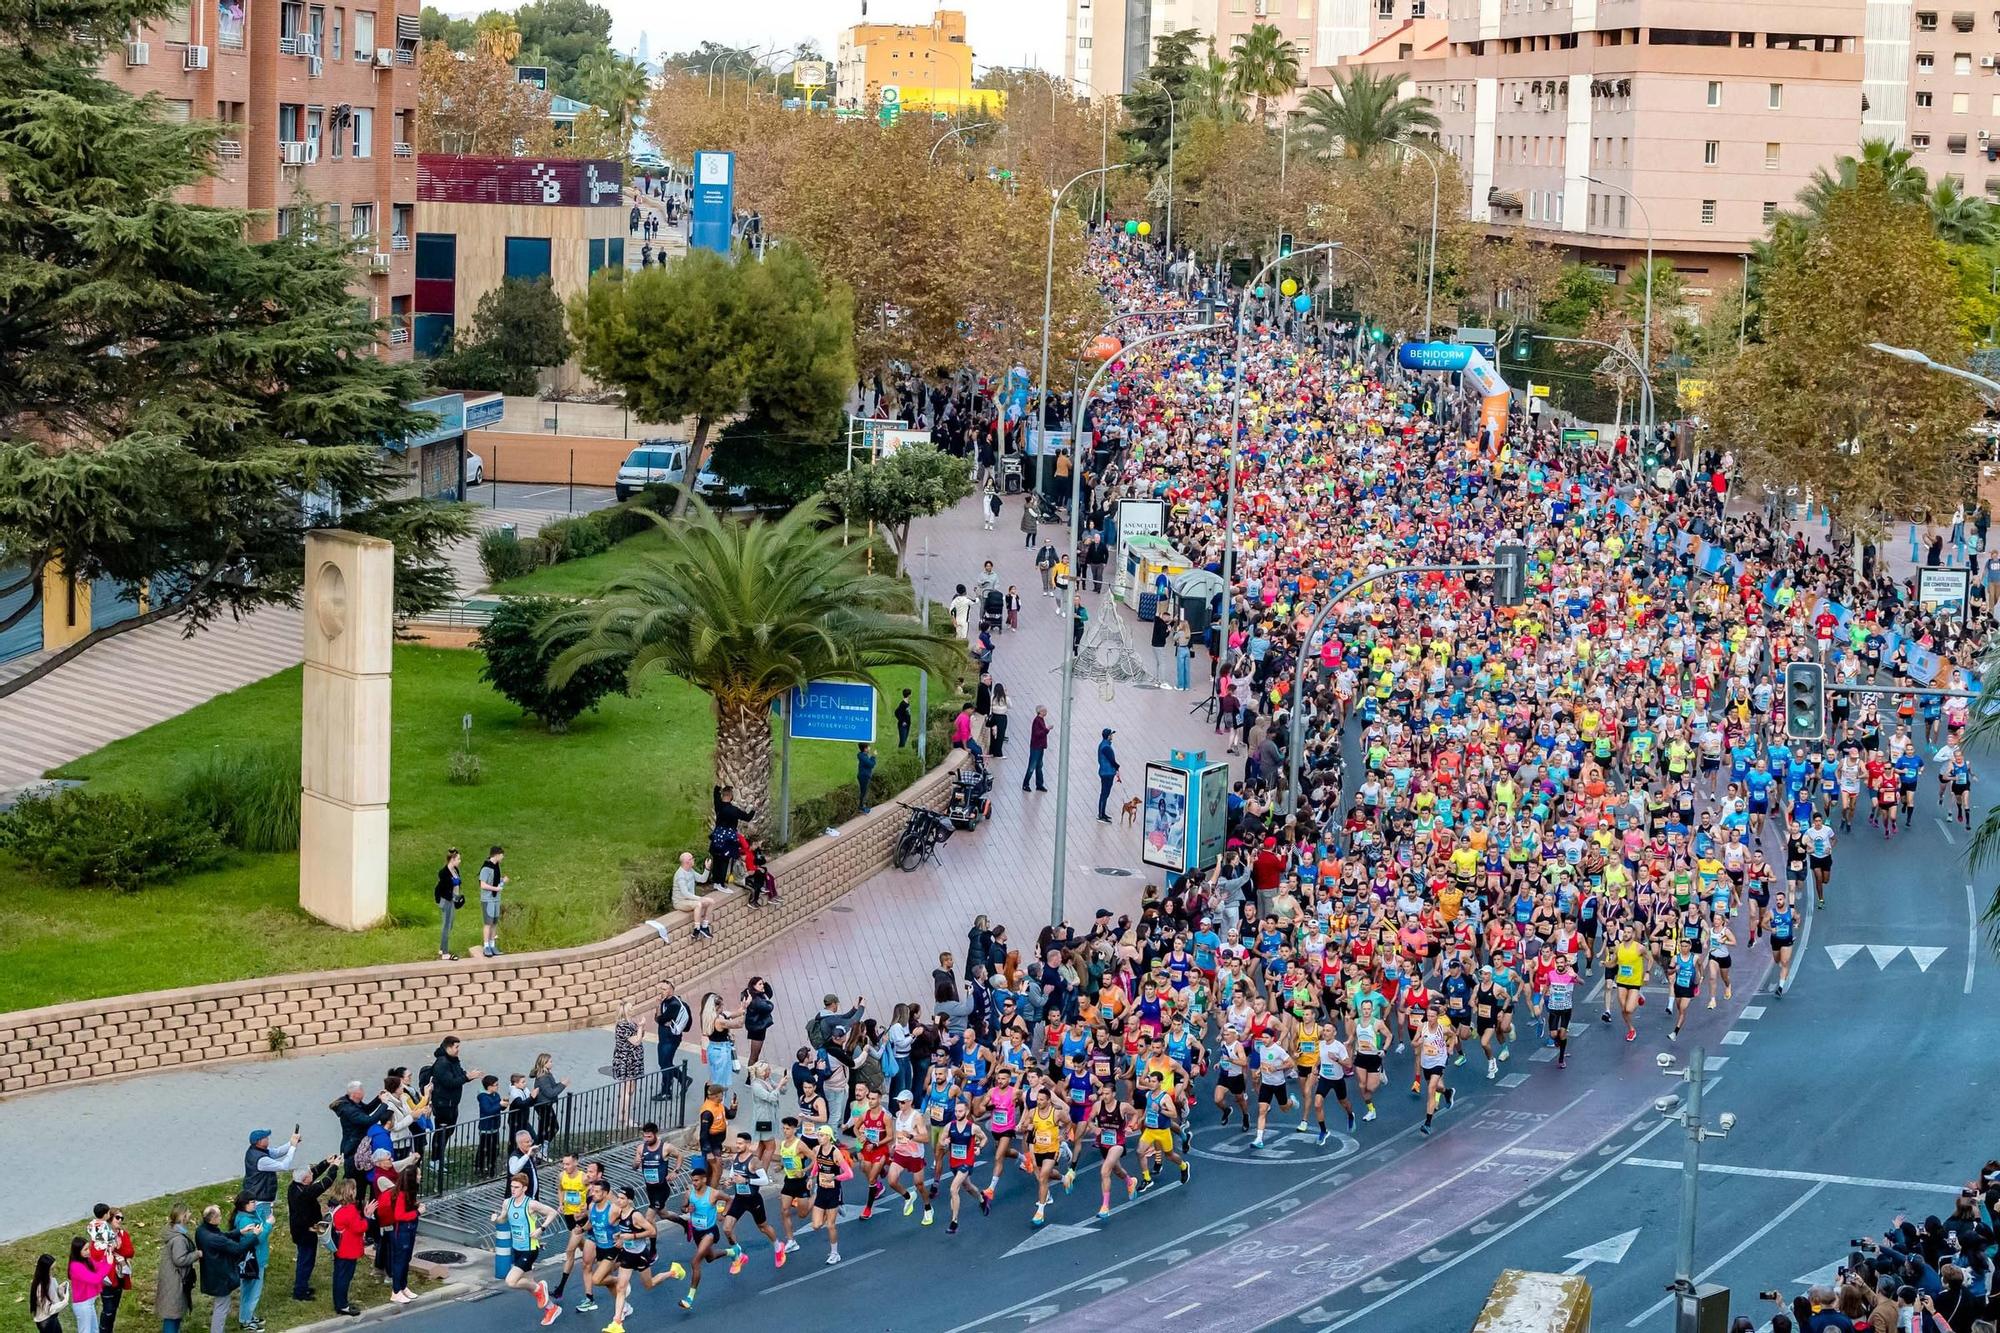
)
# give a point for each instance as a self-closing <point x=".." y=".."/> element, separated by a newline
<point x="111" y="839"/>
<point x="249" y="797"/>
<point x="649" y="887"/>
<point x="503" y="555"/>
<point x="625" y="521"/>
<point x="574" y="538"/>
<point x="518" y="657"/>
<point x="464" y="769"/>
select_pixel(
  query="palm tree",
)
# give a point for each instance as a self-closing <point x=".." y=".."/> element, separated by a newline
<point x="1959" y="218"/>
<point x="744" y="612"/>
<point x="1211" y="89"/>
<point x="615" y="84"/>
<point x="1362" y="112"/>
<point x="1264" y="64"/>
<point x="1904" y="179"/>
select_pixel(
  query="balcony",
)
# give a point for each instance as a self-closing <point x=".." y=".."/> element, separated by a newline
<point x="229" y="150"/>
<point x="400" y="241"/>
<point x="399" y="330"/>
<point x="405" y="150"/>
<point x="406" y="55"/>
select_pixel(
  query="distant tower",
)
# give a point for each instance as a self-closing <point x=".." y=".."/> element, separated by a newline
<point x="645" y="47"/>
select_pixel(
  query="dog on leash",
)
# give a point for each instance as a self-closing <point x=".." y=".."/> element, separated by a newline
<point x="1130" y="811"/>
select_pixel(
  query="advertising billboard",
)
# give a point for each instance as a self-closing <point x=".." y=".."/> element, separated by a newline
<point x="1163" y="818"/>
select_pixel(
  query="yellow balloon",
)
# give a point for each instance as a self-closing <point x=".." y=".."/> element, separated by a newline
<point x="1145" y="229"/>
<point x="1289" y="287"/>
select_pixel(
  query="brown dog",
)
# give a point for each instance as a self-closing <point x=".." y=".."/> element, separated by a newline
<point x="1130" y="810"/>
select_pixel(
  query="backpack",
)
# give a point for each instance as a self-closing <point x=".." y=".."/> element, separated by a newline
<point x="816" y="1032"/>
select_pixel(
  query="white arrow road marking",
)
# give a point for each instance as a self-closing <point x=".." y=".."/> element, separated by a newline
<point x="1884" y="954"/>
<point x="1230" y="1230"/>
<point x="1483" y="1228"/>
<point x="1035" y="1314"/>
<point x="1319" y="1314"/>
<point x="1972" y="938"/>
<point x="1610" y="1250"/>
<point x="1055" y="1233"/>
<point x="1375" y="1286"/>
<point x="1776" y="1221"/>
<point x="1924" y="957"/>
<point x="1103" y="1286"/>
<point x="1433" y="1256"/>
<point x="1841" y="954"/>
<point x="1285" y="1206"/>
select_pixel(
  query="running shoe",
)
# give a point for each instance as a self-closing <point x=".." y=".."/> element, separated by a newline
<point x="1673" y="1034"/>
<point x="1459" y="1059"/>
<point x="1350" y="1118"/>
<point x="1371" y="1112"/>
<point x="987" y="1194"/>
<point x="1631" y="1034"/>
<point x="687" y="1301"/>
<point x="1105" y="1211"/>
<point x="867" y="1210"/>
<point x="1492" y="1069"/>
<point x="1506" y="1050"/>
<point x="1186" y="1171"/>
<point x="1562" y="1062"/>
<point x="541" y="1295"/>
<point x="1424" y="1129"/>
<point x="1321" y="1141"/>
<point x="985" y="1208"/>
<point x="1305" y="1127"/>
<point x="1069" y="1179"/>
<point x="929" y="1217"/>
<point x="676" y="1272"/>
<point x="614" y="1327"/>
<point x="585" y="1306"/>
<point x="909" y="1206"/>
<point x="952" y="1230"/>
<point x="1416" y="1087"/>
<point x="549" y="1315"/>
<point x="1131" y="1189"/>
<point x="832" y="1258"/>
<point x="778" y="1258"/>
<point x="736" y="1264"/>
<point x="1258" y="1142"/>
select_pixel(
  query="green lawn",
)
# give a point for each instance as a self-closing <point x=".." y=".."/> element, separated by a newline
<point x="586" y="577"/>
<point x="630" y="779"/>
<point x="147" y="1221"/>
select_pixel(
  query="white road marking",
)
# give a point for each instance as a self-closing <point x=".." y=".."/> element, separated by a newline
<point x="1753" y="1012"/>
<point x="1773" y="1173"/>
<point x="1513" y="1080"/>
<point x="1972" y="936"/>
<point x="1945" y="829"/>
<point x="1455" y="1178"/>
<point x="1884" y="954"/>
<point x="1736" y="1038"/>
<point x="1502" y="1232"/>
<point x="1254" y="1277"/>
<point x="1842" y="954"/>
<point x="1749" y="1240"/>
<point x="1542" y="1154"/>
<point x="1923" y="956"/>
<point x="1176" y="1314"/>
<point x="821" y="1271"/>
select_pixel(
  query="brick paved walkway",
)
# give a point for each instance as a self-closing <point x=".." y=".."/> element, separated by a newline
<point x="880" y="941"/>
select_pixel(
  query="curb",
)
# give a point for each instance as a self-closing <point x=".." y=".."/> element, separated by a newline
<point x="449" y="1292"/>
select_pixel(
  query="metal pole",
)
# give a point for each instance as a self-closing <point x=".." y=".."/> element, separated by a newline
<point x="1235" y="416"/>
<point x="785" y="770"/>
<point x="1430" y="282"/>
<point x="1065" y="708"/>
<point x="572" y="481"/>
<point x="1685" y="1310"/>
<point x="1048" y="303"/>
<point x="1645" y="334"/>
<point x="1296" y="732"/>
<point x="949" y="133"/>
<point x="1103" y="155"/>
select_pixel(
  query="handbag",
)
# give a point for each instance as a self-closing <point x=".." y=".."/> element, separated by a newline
<point x="457" y="900"/>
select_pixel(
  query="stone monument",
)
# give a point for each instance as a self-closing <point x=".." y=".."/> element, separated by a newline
<point x="344" y="758"/>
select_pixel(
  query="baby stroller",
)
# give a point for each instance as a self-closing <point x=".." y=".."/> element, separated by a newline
<point x="971" y="794"/>
<point x="992" y="610"/>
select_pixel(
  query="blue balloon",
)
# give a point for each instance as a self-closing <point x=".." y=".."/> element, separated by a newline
<point x="1302" y="303"/>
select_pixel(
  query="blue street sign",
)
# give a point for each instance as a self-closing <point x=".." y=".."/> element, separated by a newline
<point x="1434" y="356"/>
<point x="714" y="201"/>
<point x="834" y="710"/>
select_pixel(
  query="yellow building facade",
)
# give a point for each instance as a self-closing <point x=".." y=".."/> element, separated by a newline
<point x="922" y="65"/>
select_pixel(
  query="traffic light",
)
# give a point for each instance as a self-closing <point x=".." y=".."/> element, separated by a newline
<point x="1523" y="349"/>
<point x="1284" y="245"/>
<point x="1512" y="557"/>
<point x="1805" y="701"/>
<point x="1376" y="333"/>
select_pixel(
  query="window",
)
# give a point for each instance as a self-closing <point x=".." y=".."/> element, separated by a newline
<point x="1926" y="62"/>
<point x="1715" y="92"/>
<point x="1385" y="9"/>
<point x="1924" y="100"/>
<point x="1770" y="212"/>
<point x="1777" y="97"/>
<point x="364" y="35"/>
<point x="1770" y="157"/>
<point x="362" y="221"/>
<point x="437" y="256"/>
<point x="607" y="253"/>
<point x="364" y="131"/>
<point x="339" y="22"/>
<point x="1920" y="141"/>
<point x="179" y="110"/>
<point x="1996" y="104"/>
<point x="527" y="257"/>
<point x="432" y="334"/>
<point x="288" y="219"/>
<point x="1708" y="212"/>
<point x="1083" y="43"/>
<point x="1961" y="64"/>
<point x="291" y="122"/>
<point x="1954" y="143"/>
<point x="1709" y="152"/>
<point x="1927" y="22"/>
<point x="1961" y="103"/>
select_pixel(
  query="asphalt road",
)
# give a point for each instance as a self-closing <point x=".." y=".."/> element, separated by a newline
<point x="556" y="497"/>
<point x="1849" y="1092"/>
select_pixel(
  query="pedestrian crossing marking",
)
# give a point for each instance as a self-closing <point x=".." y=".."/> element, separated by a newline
<point x="1736" y="1038"/>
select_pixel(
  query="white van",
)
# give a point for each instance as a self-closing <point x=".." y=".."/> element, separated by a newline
<point x="653" y="463"/>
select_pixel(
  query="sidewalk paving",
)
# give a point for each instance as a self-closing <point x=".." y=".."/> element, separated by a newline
<point x="158" y="1133"/>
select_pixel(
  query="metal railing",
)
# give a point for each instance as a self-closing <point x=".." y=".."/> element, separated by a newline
<point x="403" y="149"/>
<point x="465" y="1182"/>
<point x="399" y="241"/>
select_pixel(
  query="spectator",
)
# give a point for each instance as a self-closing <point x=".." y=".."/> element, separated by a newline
<point x="89" y="1270"/>
<point x="628" y="1058"/>
<point x="760" y="1008"/>
<point x="444" y="1085"/>
<point x="960" y="607"/>
<point x="487" y="1160"/>
<point x="398" y="1212"/>
<point x="864" y="772"/>
<point x="1038" y="748"/>
<point x="350" y="1234"/>
<point x="305" y="1219"/>
<point x="47" y="1294"/>
<point x="526" y="1160"/>
<point x="221" y="1262"/>
<point x="1107" y="773"/>
<point x="491" y="882"/>
<point x="173" y="1289"/>
<point x="244" y="1214"/>
<point x="548" y="1091"/>
<point x="687" y="893"/>
<point x="903" y="720"/>
<point x="110" y="1238"/>
<point x="450" y="895"/>
<point x="671" y="1018"/>
<point x="355" y="1113"/>
<point x="725" y="840"/>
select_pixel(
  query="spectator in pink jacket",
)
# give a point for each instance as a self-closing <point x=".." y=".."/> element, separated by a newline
<point x="89" y="1270"/>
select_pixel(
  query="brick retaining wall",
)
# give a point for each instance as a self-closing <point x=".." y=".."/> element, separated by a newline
<point x="571" y="988"/>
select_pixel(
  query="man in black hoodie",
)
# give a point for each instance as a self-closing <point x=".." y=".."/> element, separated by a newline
<point x="446" y="1079"/>
<point x="303" y="1216"/>
<point x="222" y="1252"/>
<point x="725" y="843"/>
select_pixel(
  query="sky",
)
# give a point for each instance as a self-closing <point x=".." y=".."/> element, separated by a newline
<point x="1002" y="32"/>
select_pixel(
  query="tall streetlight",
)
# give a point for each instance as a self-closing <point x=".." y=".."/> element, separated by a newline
<point x="1063" y="744"/>
<point x="962" y="129"/>
<point x="1645" y="377"/>
<point x="1049" y="296"/>
<point x="1687" y="1306"/>
<point x="1916" y="358"/>
<point x="1437" y="181"/>
<point x="1236" y="416"/>
<point x="1645" y="334"/>
<point x="1171" y="135"/>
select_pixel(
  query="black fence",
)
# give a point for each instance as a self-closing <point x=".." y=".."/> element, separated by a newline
<point x="467" y="1181"/>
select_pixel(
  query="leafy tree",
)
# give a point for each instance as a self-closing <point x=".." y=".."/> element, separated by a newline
<point x="1265" y="65"/>
<point x="516" y="330"/>
<point x="909" y="484"/>
<point x="475" y="103"/>
<point x="780" y="465"/>
<point x="1579" y="294"/>
<point x="1211" y="89"/>
<point x="562" y="33"/>
<point x="437" y="26"/>
<point x="1813" y="406"/>
<point x="1170" y="75"/>
<point x="615" y="84"/>
<point x="519" y="655"/>
<point x="1896" y="167"/>
<point x="744" y="612"/>
<point x="708" y="337"/>
<point x="1362" y="113"/>
<point x="178" y="404"/>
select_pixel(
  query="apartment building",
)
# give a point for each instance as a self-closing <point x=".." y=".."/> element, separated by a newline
<point x="1946" y="105"/>
<point x="928" y="64"/>
<point x="319" y="104"/>
<point x="1714" y="116"/>
<point x="1109" y="43"/>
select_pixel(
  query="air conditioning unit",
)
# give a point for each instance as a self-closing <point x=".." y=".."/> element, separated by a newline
<point x="195" y="57"/>
<point x="1547" y="102"/>
<point x="385" y="55"/>
<point x="138" y="53"/>
<point x="293" y="153"/>
<point x="1984" y="135"/>
<point x="378" y="262"/>
<point x="1986" y="62"/>
<point x="1520" y="95"/>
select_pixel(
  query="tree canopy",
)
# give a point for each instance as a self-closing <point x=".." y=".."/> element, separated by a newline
<point x="909" y="484"/>
<point x="178" y="404"/>
<point x="1362" y="113"/>
<point x="516" y="330"/>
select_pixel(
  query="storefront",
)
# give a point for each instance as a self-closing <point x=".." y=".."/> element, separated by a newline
<point x="434" y="459"/>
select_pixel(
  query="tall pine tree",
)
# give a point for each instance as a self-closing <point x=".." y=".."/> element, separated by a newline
<point x="178" y="404"/>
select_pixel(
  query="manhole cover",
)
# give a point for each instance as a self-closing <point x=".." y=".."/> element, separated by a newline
<point x="448" y="1258"/>
<point x="1116" y="872"/>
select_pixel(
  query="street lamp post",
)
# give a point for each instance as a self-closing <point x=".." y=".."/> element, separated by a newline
<point x="1687" y="1309"/>
<point x="1916" y="358"/>
<point x="1437" y="182"/>
<point x="1645" y="378"/>
<point x="1645" y="334"/>
<point x="1049" y="296"/>
<point x="1235" y="417"/>
<point x="962" y="129"/>
<point x="1063" y="744"/>
<point x="1172" y="134"/>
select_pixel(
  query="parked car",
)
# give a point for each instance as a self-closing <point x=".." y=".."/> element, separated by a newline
<point x="475" y="469"/>
<point x="653" y="463"/>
